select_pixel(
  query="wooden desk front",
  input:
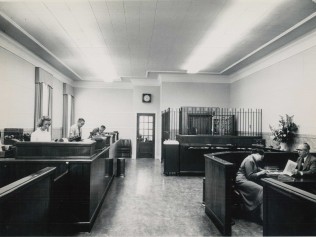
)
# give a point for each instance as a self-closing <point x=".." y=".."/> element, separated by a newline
<point x="79" y="187"/>
<point x="288" y="210"/>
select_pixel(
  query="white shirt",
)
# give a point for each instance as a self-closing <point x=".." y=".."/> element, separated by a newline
<point x="41" y="136"/>
<point x="74" y="131"/>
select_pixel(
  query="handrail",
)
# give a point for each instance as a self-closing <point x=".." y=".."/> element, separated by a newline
<point x="11" y="188"/>
<point x="289" y="188"/>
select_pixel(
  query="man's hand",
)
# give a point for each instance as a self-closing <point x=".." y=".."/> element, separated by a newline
<point x="297" y="173"/>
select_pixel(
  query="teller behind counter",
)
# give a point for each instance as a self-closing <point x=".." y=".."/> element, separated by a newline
<point x="41" y="134"/>
<point x="99" y="131"/>
<point x="75" y="133"/>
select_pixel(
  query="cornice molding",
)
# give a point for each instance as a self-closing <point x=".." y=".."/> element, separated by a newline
<point x="300" y="45"/>
<point x="194" y="78"/>
<point x="103" y="85"/>
<point x="145" y="82"/>
<point x="17" y="33"/>
<point x="12" y="46"/>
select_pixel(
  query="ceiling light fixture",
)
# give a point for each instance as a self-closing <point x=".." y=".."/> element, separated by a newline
<point x="231" y="27"/>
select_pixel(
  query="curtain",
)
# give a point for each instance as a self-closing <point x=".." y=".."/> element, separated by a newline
<point x="68" y="108"/>
<point x="65" y="116"/>
<point x="50" y="108"/>
<point x="72" y="115"/>
<point x="43" y="95"/>
<point x="38" y="103"/>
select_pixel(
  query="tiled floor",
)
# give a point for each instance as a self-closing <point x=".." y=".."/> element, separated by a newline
<point x="147" y="203"/>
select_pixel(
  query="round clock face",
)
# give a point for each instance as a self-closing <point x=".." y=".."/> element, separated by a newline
<point x="146" y="98"/>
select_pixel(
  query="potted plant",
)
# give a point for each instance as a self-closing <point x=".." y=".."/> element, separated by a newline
<point x="285" y="132"/>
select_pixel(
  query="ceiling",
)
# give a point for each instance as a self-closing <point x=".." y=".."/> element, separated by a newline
<point x="143" y="38"/>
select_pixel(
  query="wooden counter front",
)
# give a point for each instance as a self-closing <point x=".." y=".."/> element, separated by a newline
<point x="80" y="182"/>
<point x="43" y="150"/>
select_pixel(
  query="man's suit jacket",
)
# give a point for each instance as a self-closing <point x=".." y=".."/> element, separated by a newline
<point x="309" y="167"/>
<point x="94" y="132"/>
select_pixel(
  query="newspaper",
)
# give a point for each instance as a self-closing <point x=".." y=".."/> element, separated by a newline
<point x="289" y="168"/>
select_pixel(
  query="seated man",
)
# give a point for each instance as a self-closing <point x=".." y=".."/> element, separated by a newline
<point x="306" y="163"/>
<point x="75" y="130"/>
<point x="98" y="131"/>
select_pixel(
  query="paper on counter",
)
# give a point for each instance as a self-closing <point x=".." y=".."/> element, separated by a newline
<point x="289" y="168"/>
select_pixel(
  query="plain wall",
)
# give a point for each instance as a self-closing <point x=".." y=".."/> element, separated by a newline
<point x="286" y="86"/>
<point x="110" y="107"/>
<point x="17" y="91"/>
<point x="153" y="107"/>
<point x="17" y="87"/>
<point x="117" y="109"/>
<point x="177" y="94"/>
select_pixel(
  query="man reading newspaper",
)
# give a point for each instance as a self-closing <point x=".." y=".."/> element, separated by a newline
<point x="306" y="163"/>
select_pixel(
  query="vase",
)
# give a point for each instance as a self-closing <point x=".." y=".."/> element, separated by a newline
<point x="284" y="146"/>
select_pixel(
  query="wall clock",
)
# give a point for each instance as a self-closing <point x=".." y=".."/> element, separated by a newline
<point x="146" y="98"/>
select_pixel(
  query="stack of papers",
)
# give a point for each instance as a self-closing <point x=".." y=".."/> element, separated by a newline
<point x="289" y="168"/>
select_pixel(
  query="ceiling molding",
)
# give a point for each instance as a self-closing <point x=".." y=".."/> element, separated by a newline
<point x="301" y="44"/>
<point x="297" y="31"/>
<point x="194" y="78"/>
<point x="145" y="82"/>
<point x="9" y="27"/>
<point x="103" y="85"/>
<point x="13" y="18"/>
<point x="20" y="51"/>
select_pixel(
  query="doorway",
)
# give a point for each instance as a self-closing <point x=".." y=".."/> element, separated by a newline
<point x="145" y="135"/>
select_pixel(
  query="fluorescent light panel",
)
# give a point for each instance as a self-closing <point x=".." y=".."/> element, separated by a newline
<point x="231" y="27"/>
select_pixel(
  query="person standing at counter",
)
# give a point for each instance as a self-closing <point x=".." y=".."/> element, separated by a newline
<point x="75" y="130"/>
<point x="42" y="134"/>
<point x="97" y="131"/>
<point x="247" y="182"/>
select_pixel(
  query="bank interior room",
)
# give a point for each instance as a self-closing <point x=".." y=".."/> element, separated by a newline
<point x="158" y="118"/>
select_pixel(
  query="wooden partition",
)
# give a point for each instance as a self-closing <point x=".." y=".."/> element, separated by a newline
<point x="51" y="150"/>
<point x="220" y="173"/>
<point x="288" y="211"/>
<point x="218" y="198"/>
<point x="193" y="147"/>
<point x="80" y="182"/>
<point x="25" y="204"/>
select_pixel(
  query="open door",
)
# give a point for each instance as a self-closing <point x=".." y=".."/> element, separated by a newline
<point x="145" y="136"/>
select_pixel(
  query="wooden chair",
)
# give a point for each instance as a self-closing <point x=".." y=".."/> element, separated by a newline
<point x="124" y="148"/>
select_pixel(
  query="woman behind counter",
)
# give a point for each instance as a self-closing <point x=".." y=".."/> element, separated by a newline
<point x="247" y="182"/>
<point x="42" y="134"/>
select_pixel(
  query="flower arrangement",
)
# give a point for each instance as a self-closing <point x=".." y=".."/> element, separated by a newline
<point x="286" y="130"/>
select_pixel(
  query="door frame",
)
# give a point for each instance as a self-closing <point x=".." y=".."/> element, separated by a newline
<point x="154" y="131"/>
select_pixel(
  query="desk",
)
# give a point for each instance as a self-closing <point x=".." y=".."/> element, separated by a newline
<point x="80" y="179"/>
<point x="220" y="173"/>
<point x="307" y="184"/>
<point x="288" y="210"/>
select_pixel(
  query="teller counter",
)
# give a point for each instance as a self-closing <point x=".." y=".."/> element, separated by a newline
<point x="81" y="178"/>
<point x="220" y="173"/>
<point x="192" y="149"/>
